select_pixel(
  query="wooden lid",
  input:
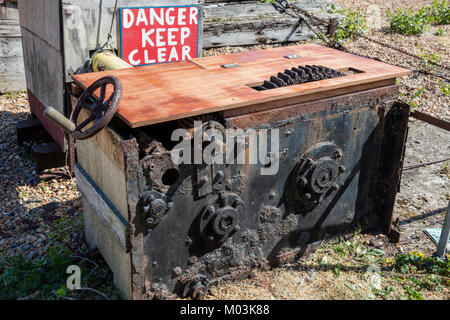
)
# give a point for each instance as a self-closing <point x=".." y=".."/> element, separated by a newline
<point x="166" y="92"/>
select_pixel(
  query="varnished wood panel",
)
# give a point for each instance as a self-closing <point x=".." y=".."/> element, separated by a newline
<point x="155" y="94"/>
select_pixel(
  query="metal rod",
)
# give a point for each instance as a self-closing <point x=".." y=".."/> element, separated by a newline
<point x="425" y="164"/>
<point x="443" y="242"/>
<point x="431" y="120"/>
<point x="59" y="119"/>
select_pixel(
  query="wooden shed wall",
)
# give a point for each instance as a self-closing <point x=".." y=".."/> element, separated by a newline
<point x="42" y="46"/>
<point x="12" y="74"/>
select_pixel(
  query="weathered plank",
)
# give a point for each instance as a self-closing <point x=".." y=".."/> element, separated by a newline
<point x="12" y="74"/>
<point x="11" y="82"/>
<point x="40" y="26"/>
<point x="42" y="18"/>
<point x="10" y="47"/>
<point x="102" y="157"/>
<point x="106" y="212"/>
<point x="44" y="70"/>
<point x="11" y="62"/>
<point x="232" y="24"/>
<point x="8" y="10"/>
<point x="9" y="28"/>
<point x="99" y="236"/>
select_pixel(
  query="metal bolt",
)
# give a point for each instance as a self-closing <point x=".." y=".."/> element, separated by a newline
<point x="272" y="195"/>
<point x="147" y="209"/>
<point x="158" y="206"/>
<point x="308" y="196"/>
<point x="303" y="182"/>
<point x="335" y="187"/>
<point x="210" y="209"/>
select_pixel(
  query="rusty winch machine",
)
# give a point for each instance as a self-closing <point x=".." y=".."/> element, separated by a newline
<point x="335" y="136"/>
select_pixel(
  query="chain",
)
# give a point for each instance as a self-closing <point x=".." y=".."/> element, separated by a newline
<point x="108" y="40"/>
<point x="283" y="6"/>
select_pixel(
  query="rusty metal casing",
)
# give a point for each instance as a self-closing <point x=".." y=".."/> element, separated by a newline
<point x="168" y="233"/>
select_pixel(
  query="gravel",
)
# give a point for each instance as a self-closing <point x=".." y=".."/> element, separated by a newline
<point x="28" y="207"/>
<point x="432" y="100"/>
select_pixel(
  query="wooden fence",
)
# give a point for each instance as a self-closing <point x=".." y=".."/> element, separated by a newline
<point x="12" y="74"/>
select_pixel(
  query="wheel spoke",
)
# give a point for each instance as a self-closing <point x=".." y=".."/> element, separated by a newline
<point x="86" y="122"/>
<point x="103" y="93"/>
<point x="108" y="101"/>
<point x="90" y="106"/>
<point x="98" y="119"/>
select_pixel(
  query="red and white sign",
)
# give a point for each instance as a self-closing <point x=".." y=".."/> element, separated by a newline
<point x="159" y="34"/>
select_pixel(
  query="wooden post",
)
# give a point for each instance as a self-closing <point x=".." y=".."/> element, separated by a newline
<point x="443" y="242"/>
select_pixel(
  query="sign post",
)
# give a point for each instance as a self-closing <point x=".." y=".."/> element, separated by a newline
<point x="154" y="35"/>
<point x="445" y="234"/>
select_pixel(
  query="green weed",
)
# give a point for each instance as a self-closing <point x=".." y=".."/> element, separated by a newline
<point x="408" y="22"/>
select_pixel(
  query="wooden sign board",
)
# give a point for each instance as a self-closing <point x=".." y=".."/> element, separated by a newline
<point x="153" y="35"/>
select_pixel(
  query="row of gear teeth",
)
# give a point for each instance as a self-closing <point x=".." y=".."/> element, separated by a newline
<point x="301" y="74"/>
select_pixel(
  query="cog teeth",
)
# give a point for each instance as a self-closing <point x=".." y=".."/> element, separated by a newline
<point x="279" y="82"/>
<point x="286" y="78"/>
<point x="299" y="75"/>
<point x="269" y="85"/>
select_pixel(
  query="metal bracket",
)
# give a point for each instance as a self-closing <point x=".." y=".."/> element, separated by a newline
<point x="229" y="65"/>
<point x="292" y="56"/>
<point x="443" y="242"/>
<point x="445" y="125"/>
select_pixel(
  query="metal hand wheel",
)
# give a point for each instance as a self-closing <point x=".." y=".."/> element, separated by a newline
<point x="101" y="110"/>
